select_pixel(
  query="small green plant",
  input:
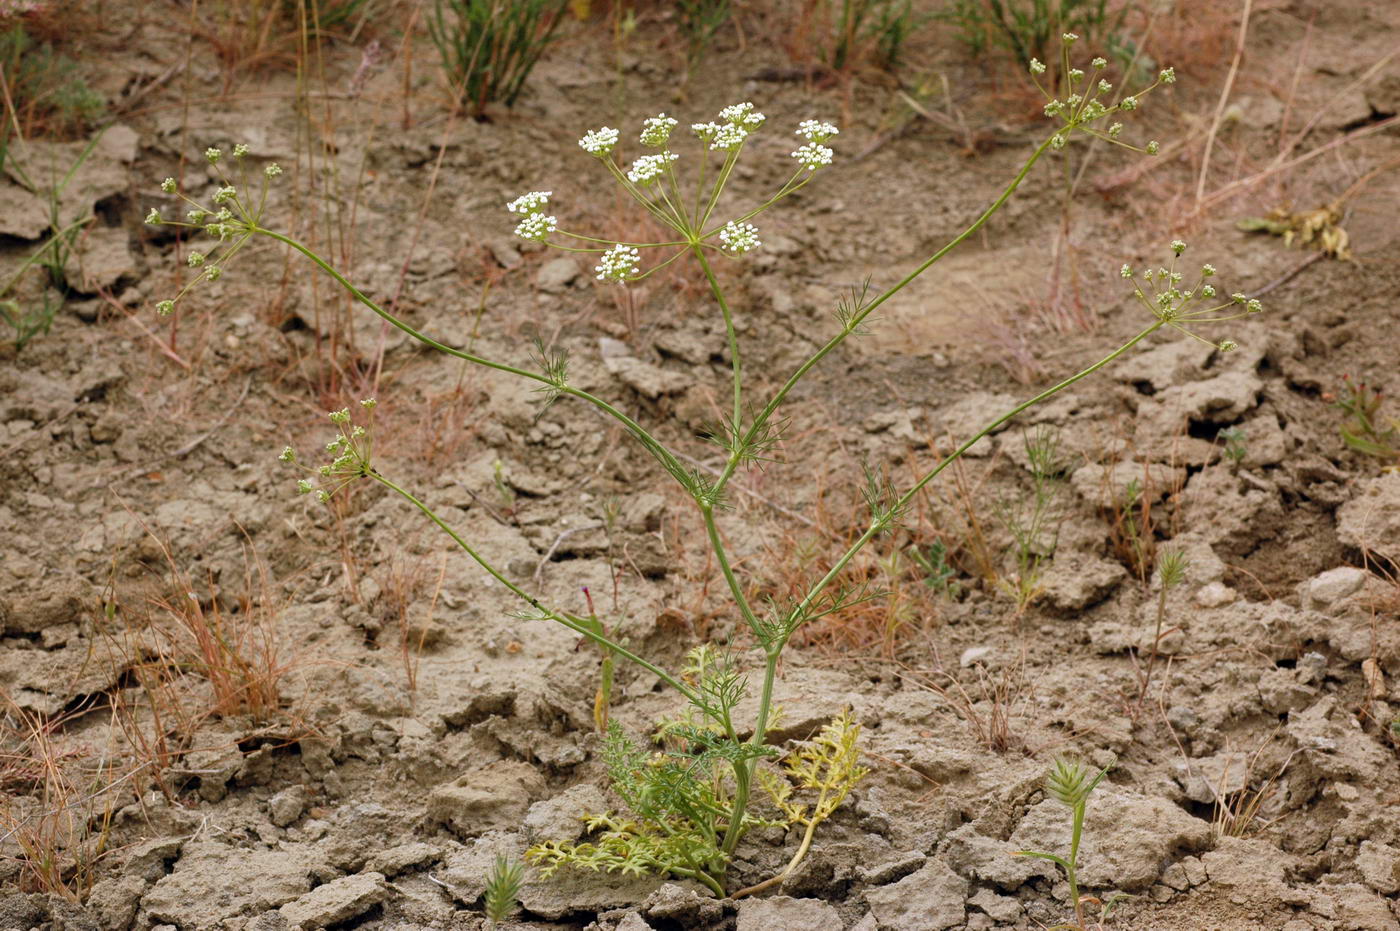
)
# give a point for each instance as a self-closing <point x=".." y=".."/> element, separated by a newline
<point x="1033" y="521"/>
<point x="932" y="561"/>
<point x="700" y="20"/>
<point x="489" y="47"/>
<point x="1363" y="429"/>
<point x="689" y="802"/>
<point x="45" y="93"/>
<point x="1028" y="28"/>
<point x="1236" y="443"/>
<point x="502" y="896"/>
<point x="1171" y="572"/>
<point x="1132" y="528"/>
<point x="1071" y="783"/>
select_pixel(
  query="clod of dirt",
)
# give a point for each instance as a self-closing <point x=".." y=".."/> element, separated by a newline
<point x="1371" y="520"/>
<point x="336" y="901"/>
<point x="1075" y="581"/>
<point x="490" y="799"/>
<point x="214" y="881"/>
<point x="782" y="911"/>
<point x="931" y="898"/>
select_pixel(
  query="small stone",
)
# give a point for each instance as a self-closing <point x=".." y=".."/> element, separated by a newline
<point x="395" y="860"/>
<point x="494" y="798"/>
<point x="1204" y="780"/>
<point x="1076" y="581"/>
<point x="561" y="818"/>
<point x="286" y="806"/>
<point x="556" y="275"/>
<point x="888" y="871"/>
<point x="1371" y="520"/>
<point x="974" y="655"/>
<point x="632" y="922"/>
<point x="337" y="901"/>
<point x="1325" y="590"/>
<point x="1380" y="866"/>
<point x="930" y="899"/>
<point x="1003" y="908"/>
<point x="1215" y="595"/>
<point x="1160" y="893"/>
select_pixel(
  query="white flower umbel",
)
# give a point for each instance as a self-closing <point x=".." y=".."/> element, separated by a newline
<point x="618" y="264"/>
<point x="598" y="142"/>
<point x="648" y="168"/>
<point x="536" y="227"/>
<point x="728" y="138"/>
<point x="742" y="114"/>
<point x="704" y="131"/>
<point x="816" y="130"/>
<point x="739" y="237"/>
<point x="656" y="130"/>
<point x="813" y="156"/>
<point x="533" y="202"/>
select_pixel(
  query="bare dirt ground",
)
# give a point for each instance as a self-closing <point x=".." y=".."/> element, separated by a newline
<point x="227" y="706"/>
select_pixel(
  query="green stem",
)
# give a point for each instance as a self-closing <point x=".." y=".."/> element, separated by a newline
<point x="652" y="444"/>
<point x="564" y="619"/>
<point x="722" y="557"/>
<point x="865" y="312"/>
<point x="743" y="772"/>
<point x="904" y="500"/>
<point x="1071" y="871"/>
<point x="733" y="340"/>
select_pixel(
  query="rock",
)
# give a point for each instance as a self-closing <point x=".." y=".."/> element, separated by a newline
<point x="1215" y="595"/>
<point x="888" y="871"/>
<point x="494" y="798"/>
<point x="1280" y="691"/>
<point x="557" y="274"/>
<point x="286" y="806"/>
<point x="1326" y="590"/>
<point x="115" y="900"/>
<point x="1360" y="908"/>
<point x="1107" y="486"/>
<point x="1075" y="581"/>
<point x="1343" y="751"/>
<point x="570" y="891"/>
<point x="648" y="380"/>
<point x="337" y="901"/>
<point x="632" y="922"/>
<point x="212" y="882"/>
<point x="685" y="902"/>
<point x="102" y="261"/>
<point x="1161" y="367"/>
<point x="562" y="818"/>
<point x="1371" y="520"/>
<point x="973" y="655"/>
<point x="780" y="911"/>
<point x="1380" y="866"/>
<point x="1003" y="908"/>
<point x="465" y="870"/>
<point x="930" y="899"/>
<point x="1209" y="778"/>
<point x="396" y="860"/>
<point x="958" y="422"/>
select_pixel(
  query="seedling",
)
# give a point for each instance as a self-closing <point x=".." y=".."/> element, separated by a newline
<point x="1363" y="430"/>
<point x="502" y="896"/>
<point x="1171" y="571"/>
<point x="689" y="802"/>
<point x="1033" y="521"/>
<point x="1070" y="783"/>
<point x="1236" y="443"/>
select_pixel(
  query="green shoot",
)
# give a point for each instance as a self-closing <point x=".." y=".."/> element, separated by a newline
<point x="1363" y="429"/>
<point x="502" y="896"/>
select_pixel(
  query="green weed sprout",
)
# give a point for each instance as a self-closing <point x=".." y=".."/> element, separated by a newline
<point x="502" y="895"/>
<point x="1034" y="521"/>
<point x="1171" y="572"/>
<point x="689" y="802"/>
<point x="1070" y="783"/>
<point x="1236" y="443"/>
<point x="1363" y="430"/>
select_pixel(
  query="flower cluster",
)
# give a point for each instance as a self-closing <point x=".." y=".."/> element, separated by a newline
<point x="1083" y="101"/>
<point x="349" y="451"/>
<point x="232" y="223"/>
<point x="534" y="226"/>
<point x="739" y="237"/>
<point x="533" y="202"/>
<point x="599" y="142"/>
<point x="813" y="156"/>
<point x="816" y="131"/>
<point x="656" y="130"/>
<point x="618" y="264"/>
<point x="1177" y="306"/>
<point x="648" y="168"/>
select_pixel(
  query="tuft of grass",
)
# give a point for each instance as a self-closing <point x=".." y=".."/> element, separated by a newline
<point x="1364" y="430"/>
<point x="489" y="47"/>
<point x="1031" y="29"/>
<point x="44" y="90"/>
<point x="502" y="896"/>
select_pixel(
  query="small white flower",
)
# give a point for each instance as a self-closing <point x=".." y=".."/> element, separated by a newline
<point x="816" y="130"/>
<point x="240" y="150"/>
<point x="1075" y="75"/>
<point x="598" y="142"/>
<point x="535" y="227"/>
<point x="618" y="264"/>
<point x="340" y="417"/>
<point x="739" y="237"/>
<point x="728" y="138"/>
<point x="1115" y="130"/>
<point x="1153" y="147"/>
<point x="1037" y="66"/>
<point x="224" y="194"/>
<point x="533" y="202"/>
<point x="196" y="259"/>
<point x="1167" y="76"/>
<point x="153" y="217"/>
<point x="813" y="156"/>
<point x="168" y="185"/>
<point x="288" y="454"/>
<point x="197" y="215"/>
<point x="368" y="403"/>
<point x="213" y="155"/>
<point x="165" y="308"/>
<point x="1254" y="307"/>
<point x="1105" y="87"/>
<point x="656" y="130"/>
<point x="1178" y="246"/>
<point x="1099" y="63"/>
<point x="704" y="131"/>
<point x="1053" y="107"/>
<point x="323" y="496"/>
<point x="1128" y="103"/>
<point x="1057" y="141"/>
<point x="648" y="168"/>
<point x="1069" y="37"/>
<point x="304" y="486"/>
<point x="1207" y="271"/>
<point x="742" y="114"/>
<point x="213" y="273"/>
<point x="1125" y="271"/>
<point x="1228" y="345"/>
<point x="1207" y="291"/>
<point x="273" y="170"/>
